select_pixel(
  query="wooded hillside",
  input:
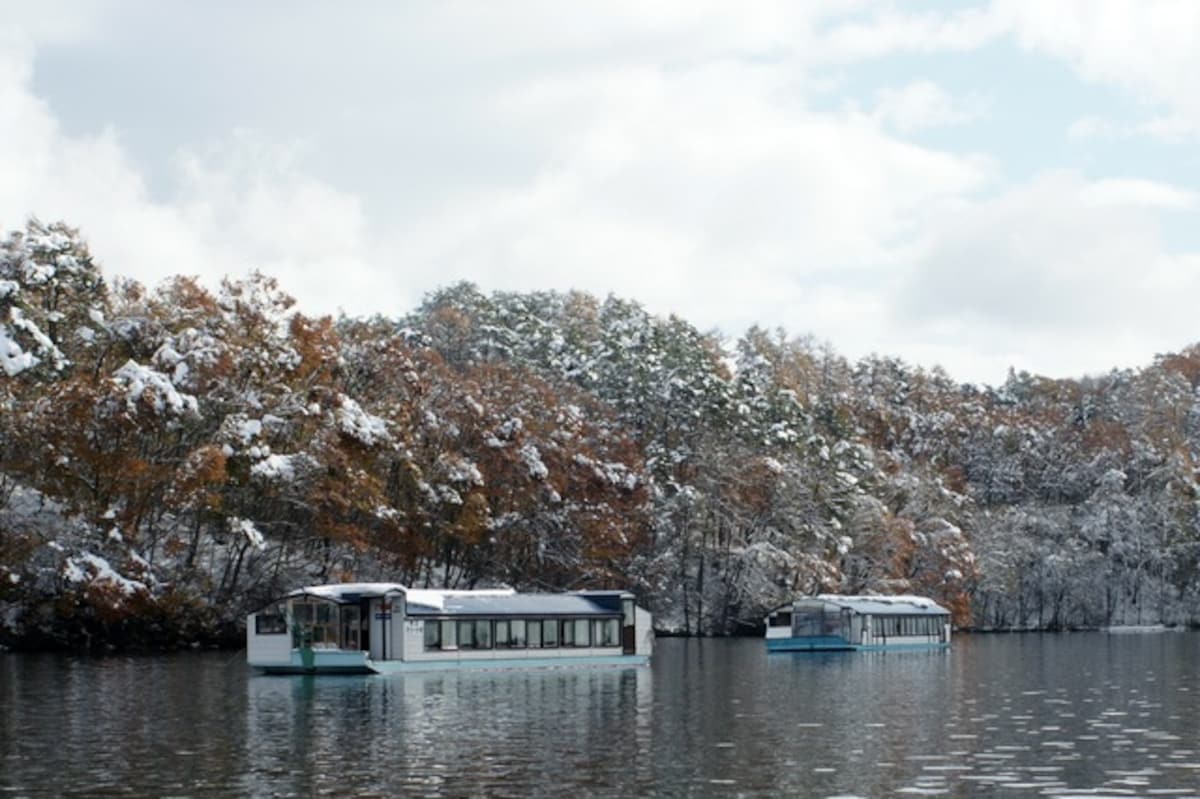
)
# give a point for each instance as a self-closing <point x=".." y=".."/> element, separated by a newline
<point x="172" y="457"/>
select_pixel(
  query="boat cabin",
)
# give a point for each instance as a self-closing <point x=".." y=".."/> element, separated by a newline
<point x="388" y="627"/>
<point x="832" y="622"/>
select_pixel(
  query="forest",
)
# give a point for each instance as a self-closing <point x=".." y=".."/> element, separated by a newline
<point x="173" y="457"/>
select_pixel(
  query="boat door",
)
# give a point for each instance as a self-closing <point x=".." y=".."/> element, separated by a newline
<point x="628" y="632"/>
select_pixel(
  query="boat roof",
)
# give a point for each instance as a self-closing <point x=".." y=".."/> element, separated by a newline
<point x="519" y="605"/>
<point x="353" y="592"/>
<point x="347" y="592"/>
<point x="882" y="604"/>
<point x="478" y="602"/>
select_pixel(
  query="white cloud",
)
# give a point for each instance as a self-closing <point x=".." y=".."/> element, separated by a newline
<point x="1058" y="276"/>
<point x="890" y="32"/>
<point x="710" y="210"/>
<point x="679" y="153"/>
<point x="242" y="206"/>
<point x="1149" y="48"/>
<point x="924" y="104"/>
<point x="1134" y="192"/>
<point x="1163" y="128"/>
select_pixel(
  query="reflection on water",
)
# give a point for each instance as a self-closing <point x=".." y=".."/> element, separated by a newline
<point x="430" y="734"/>
<point x="1019" y="715"/>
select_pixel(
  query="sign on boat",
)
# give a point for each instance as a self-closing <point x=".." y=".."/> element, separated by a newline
<point x="388" y="628"/>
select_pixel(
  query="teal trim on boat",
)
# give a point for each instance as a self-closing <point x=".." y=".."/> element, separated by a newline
<point x="411" y="666"/>
<point x="835" y="644"/>
<point x="810" y="643"/>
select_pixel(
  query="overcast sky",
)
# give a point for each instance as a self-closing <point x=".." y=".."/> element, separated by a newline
<point x="1008" y="184"/>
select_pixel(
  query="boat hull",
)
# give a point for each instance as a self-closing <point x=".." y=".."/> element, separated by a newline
<point x="344" y="662"/>
<point x="505" y="664"/>
<point x="836" y="644"/>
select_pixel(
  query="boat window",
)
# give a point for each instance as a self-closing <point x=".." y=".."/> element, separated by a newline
<point x="316" y="624"/>
<point x="475" y="634"/>
<point x="273" y="623"/>
<point x="550" y="632"/>
<point x="628" y="612"/>
<point x="816" y="619"/>
<point x="534" y="628"/>
<point x="483" y="634"/>
<point x="449" y="634"/>
<point x="510" y="633"/>
<point x="302" y="612"/>
<point x="433" y="635"/>
<point x="350" y="627"/>
<point x="582" y="633"/>
<point x="517" y="633"/>
<point x="782" y="619"/>
<point x="466" y="635"/>
<point x="605" y="632"/>
<point x="567" y="637"/>
<point x="323" y="630"/>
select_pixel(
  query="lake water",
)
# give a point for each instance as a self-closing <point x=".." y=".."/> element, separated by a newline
<point x="1084" y="714"/>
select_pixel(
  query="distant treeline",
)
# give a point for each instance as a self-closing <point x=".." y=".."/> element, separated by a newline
<point x="171" y="458"/>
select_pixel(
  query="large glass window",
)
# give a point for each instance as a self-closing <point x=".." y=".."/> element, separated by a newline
<point x="466" y="635"/>
<point x="483" y="634"/>
<point x="433" y="635"/>
<point x="322" y="631"/>
<point x="272" y="623"/>
<point x="475" y="634"/>
<point x="351" y="627"/>
<point x="582" y="633"/>
<point x="510" y="633"/>
<point x="550" y="635"/>
<point x="567" y="633"/>
<point x="534" y="628"/>
<point x="605" y="632"/>
<point x="449" y="634"/>
<point x="316" y="624"/>
<point x="814" y="619"/>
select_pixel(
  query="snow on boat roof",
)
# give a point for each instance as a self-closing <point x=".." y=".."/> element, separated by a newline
<point x="884" y="605"/>
<point x="479" y="602"/>
<point x="348" y="592"/>
<point x="516" y="605"/>
<point x="437" y="598"/>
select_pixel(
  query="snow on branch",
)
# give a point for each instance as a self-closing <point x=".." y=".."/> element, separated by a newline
<point x="141" y="381"/>
<point x="13" y="359"/>
<point x="283" y="468"/>
<point x="356" y="423"/>
<point x="246" y="527"/>
<point x="93" y="569"/>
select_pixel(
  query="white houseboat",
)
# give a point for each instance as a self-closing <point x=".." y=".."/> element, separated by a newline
<point x="864" y="623"/>
<point x="387" y="628"/>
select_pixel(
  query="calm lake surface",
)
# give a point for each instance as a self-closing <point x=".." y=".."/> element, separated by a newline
<point x="1083" y="714"/>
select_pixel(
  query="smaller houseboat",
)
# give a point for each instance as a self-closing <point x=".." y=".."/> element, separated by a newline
<point x="864" y="623"/>
<point x="387" y="627"/>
